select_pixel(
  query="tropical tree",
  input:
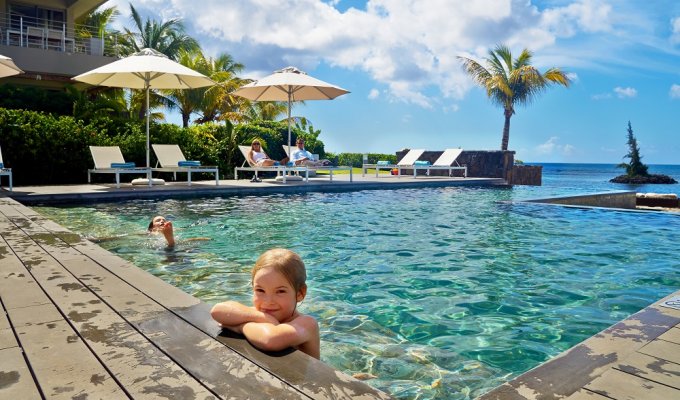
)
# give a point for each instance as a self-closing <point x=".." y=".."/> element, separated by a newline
<point x="95" y="24"/>
<point x="509" y="81"/>
<point x="219" y="104"/>
<point x="187" y="101"/>
<point x="167" y="37"/>
<point x="635" y="167"/>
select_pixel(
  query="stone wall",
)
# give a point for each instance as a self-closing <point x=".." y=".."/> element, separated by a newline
<point x="485" y="164"/>
<point x="525" y="175"/>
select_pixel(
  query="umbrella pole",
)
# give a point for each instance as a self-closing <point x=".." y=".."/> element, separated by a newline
<point x="289" y="101"/>
<point x="148" y="140"/>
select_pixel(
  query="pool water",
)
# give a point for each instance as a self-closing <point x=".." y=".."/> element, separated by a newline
<point x="440" y="293"/>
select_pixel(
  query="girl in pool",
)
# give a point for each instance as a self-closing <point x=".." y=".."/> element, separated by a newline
<point x="274" y="323"/>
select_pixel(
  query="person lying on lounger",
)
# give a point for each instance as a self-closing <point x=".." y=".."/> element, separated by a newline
<point x="300" y="156"/>
<point x="274" y="323"/>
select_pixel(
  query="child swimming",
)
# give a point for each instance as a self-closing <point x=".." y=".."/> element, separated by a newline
<point x="274" y="323"/>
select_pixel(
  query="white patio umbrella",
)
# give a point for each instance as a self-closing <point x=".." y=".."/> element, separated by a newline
<point x="289" y="84"/>
<point x="8" y="68"/>
<point x="147" y="69"/>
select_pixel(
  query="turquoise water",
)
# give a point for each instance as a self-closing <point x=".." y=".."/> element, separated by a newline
<point x="440" y="293"/>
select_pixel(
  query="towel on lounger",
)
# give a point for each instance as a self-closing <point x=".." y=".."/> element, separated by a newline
<point x="2" y="165"/>
<point x="189" y="163"/>
<point x="421" y="163"/>
<point x="122" y="165"/>
<point x="383" y="163"/>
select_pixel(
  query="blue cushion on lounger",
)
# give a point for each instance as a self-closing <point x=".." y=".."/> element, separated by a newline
<point x="189" y="163"/>
<point x="2" y="165"/>
<point x="122" y="165"/>
<point x="383" y="163"/>
<point x="421" y="163"/>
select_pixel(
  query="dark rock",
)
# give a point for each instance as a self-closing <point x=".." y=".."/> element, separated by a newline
<point x="651" y="178"/>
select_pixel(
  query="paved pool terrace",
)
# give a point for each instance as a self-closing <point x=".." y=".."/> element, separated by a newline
<point x="80" y="322"/>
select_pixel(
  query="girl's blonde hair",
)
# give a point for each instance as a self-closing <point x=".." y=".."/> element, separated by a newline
<point x="286" y="262"/>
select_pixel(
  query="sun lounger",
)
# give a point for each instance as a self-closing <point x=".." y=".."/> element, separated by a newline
<point x="5" y="172"/>
<point x="329" y="168"/>
<point x="281" y="170"/>
<point x="171" y="159"/>
<point x="109" y="160"/>
<point x="406" y="162"/>
<point x="444" y="162"/>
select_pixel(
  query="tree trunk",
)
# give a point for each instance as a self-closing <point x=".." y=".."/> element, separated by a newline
<point x="506" y="130"/>
<point x="185" y="120"/>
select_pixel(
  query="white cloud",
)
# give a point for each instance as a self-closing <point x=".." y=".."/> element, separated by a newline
<point x="625" y="93"/>
<point x="601" y="96"/>
<point x="409" y="46"/>
<point x="675" y="91"/>
<point x="552" y="146"/>
<point x="675" y="30"/>
<point x="373" y="94"/>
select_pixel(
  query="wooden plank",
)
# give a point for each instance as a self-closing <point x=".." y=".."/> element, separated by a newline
<point x="16" y="381"/>
<point x="144" y="371"/>
<point x="17" y="286"/>
<point x="587" y="395"/>
<point x="64" y="367"/>
<point x="7" y="338"/>
<point x="672" y="335"/>
<point x="620" y="385"/>
<point x="652" y="368"/>
<point x="662" y="349"/>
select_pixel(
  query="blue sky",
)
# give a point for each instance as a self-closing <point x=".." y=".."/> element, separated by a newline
<point x="398" y="59"/>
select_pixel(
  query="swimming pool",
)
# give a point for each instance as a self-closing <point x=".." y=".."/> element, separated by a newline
<point x="439" y="292"/>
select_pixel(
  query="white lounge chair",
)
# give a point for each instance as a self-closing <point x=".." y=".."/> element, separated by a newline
<point x="406" y="162"/>
<point x="281" y="170"/>
<point x="5" y="172"/>
<point x="329" y="168"/>
<point x="171" y="159"/>
<point x="109" y="160"/>
<point x="444" y="162"/>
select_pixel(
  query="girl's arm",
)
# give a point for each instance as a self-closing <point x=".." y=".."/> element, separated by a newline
<point x="250" y="158"/>
<point x="302" y="333"/>
<point x="233" y="315"/>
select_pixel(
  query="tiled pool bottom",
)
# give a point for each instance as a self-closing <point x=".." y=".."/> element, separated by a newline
<point x="438" y="293"/>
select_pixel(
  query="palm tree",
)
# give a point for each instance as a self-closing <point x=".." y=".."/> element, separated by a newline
<point x="166" y="37"/>
<point x="509" y="82"/>
<point x="187" y="101"/>
<point x="95" y="23"/>
<point x="218" y="103"/>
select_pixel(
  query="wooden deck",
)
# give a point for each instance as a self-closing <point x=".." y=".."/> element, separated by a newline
<point x="78" y="322"/>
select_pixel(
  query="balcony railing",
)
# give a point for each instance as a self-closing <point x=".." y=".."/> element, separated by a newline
<point x="44" y="34"/>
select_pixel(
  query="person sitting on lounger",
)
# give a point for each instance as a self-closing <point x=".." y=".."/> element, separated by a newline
<point x="258" y="158"/>
<point x="300" y="156"/>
